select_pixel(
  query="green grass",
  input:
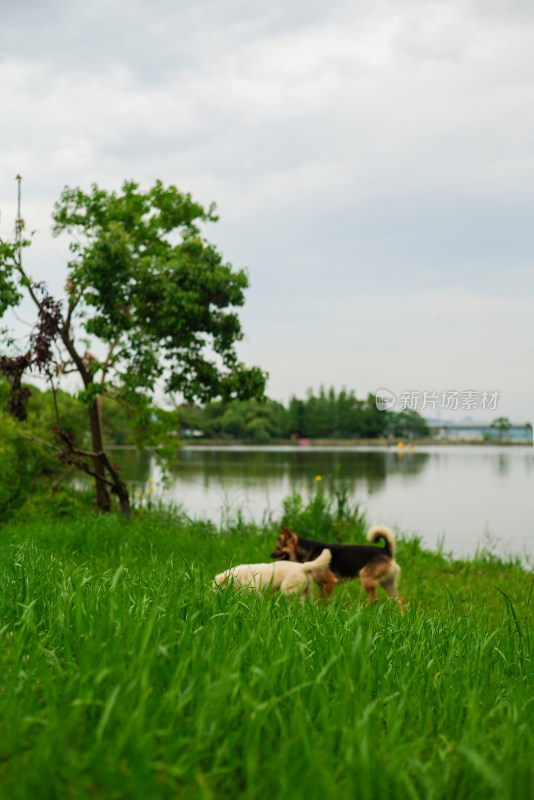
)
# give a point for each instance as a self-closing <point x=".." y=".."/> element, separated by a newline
<point x="122" y="675"/>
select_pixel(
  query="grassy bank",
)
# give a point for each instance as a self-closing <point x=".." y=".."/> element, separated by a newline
<point x="123" y="675"/>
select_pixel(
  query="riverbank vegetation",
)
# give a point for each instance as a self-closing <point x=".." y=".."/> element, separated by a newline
<point x="123" y="675"/>
<point x="30" y="463"/>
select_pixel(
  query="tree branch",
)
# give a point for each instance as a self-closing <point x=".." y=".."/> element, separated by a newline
<point x="64" y="331"/>
<point x="72" y="305"/>
<point x="54" y="397"/>
<point x="78" y="463"/>
<point x="107" y="362"/>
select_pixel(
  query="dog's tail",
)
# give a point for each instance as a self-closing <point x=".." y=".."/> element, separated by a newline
<point x="378" y="532"/>
<point x="321" y="562"/>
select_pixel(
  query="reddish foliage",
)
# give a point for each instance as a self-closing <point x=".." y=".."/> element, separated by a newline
<point x="39" y="355"/>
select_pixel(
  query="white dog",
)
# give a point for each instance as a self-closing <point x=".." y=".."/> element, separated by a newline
<point x="288" y="577"/>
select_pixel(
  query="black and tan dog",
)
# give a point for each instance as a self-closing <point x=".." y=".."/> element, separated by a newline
<point x="374" y="565"/>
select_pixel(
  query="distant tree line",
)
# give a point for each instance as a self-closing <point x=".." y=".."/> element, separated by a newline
<point x="327" y="415"/>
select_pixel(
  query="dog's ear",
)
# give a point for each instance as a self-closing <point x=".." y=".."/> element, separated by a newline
<point x="286" y="533"/>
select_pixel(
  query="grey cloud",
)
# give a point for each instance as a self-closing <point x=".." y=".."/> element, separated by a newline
<point x="352" y="148"/>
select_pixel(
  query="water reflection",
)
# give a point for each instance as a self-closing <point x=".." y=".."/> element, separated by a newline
<point x="503" y="464"/>
<point x="135" y="465"/>
<point x="296" y="466"/>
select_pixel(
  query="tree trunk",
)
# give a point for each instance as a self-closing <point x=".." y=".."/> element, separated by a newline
<point x="104" y="468"/>
<point x="103" y="500"/>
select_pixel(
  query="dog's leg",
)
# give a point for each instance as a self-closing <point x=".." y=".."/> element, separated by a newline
<point x="383" y="572"/>
<point x="390" y="586"/>
<point x="369" y="584"/>
<point x="372" y="574"/>
<point x="291" y="586"/>
<point x="389" y="582"/>
<point x="326" y="581"/>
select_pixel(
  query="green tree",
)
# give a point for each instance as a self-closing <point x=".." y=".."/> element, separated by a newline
<point x="346" y="403"/>
<point x="503" y="425"/>
<point x="295" y="417"/>
<point x="156" y="301"/>
<point x="316" y="414"/>
<point x="407" y="423"/>
<point x="253" y="420"/>
<point x="333" y="413"/>
<point x="374" y="422"/>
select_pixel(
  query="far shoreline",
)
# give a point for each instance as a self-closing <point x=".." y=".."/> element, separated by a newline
<point x="399" y="444"/>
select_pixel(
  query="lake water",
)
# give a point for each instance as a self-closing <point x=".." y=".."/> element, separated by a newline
<point x="467" y="497"/>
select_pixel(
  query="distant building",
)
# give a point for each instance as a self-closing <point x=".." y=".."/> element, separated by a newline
<point x="482" y="433"/>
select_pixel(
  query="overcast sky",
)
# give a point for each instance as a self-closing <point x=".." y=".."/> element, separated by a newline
<point x="372" y="165"/>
